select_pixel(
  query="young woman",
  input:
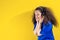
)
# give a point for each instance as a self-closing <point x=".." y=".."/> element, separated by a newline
<point x="43" y="21"/>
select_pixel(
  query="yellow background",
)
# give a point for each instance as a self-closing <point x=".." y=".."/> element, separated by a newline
<point x="16" y="16"/>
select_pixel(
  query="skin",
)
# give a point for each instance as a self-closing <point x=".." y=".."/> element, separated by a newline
<point x="39" y="20"/>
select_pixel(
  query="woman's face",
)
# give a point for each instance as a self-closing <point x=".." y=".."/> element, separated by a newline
<point x="37" y="15"/>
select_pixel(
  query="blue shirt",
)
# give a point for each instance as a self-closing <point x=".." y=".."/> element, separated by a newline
<point x="46" y="31"/>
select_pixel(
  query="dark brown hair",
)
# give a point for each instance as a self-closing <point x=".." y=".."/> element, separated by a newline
<point x="47" y="13"/>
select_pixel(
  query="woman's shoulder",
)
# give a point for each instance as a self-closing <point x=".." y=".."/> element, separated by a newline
<point x="48" y="23"/>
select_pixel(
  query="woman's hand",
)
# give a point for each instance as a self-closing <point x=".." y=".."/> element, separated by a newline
<point x="39" y="26"/>
<point x="38" y="33"/>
